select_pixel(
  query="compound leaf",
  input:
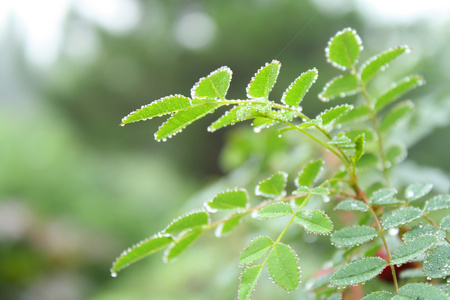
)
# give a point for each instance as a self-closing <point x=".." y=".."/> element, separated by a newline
<point x="419" y="291"/>
<point x="381" y="196"/>
<point x="340" y="86"/>
<point x="283" y="267"/>
<point x="215" y="85"/>
<point x="437" y="262"/>
<point x="141" y="250"/>
<point x="398" y="89"/>
<point x="181" y="244"/>
<point x="183" y="118"/>
<point x="358" y="271"/>
<point x="161" y="107"/>
<point x="264" y="80"/>
<point x="334" y="113"/>
<point x="297" y="90"/>
<point x="400" y="216"/>
<point x="314" y="221"/>
<point x="343" y="49"/>
<point x="257" y="248"/>
<point x="232" y="199"/>
<point x="275" y="210"/>
<point x="248" y="280"/>
<point x="352" y="205"/>
<point x="437" y="203"/>
<point x="380" y="62"/>
<point x="417" y="190"/>
<point x="272" y="186"/>
<point x="189" y="221"/>
<point x="309" y="174"/>
<point x="413" y="249"/>
<point x="351" y="236"/>
<point x="396" y="114"/>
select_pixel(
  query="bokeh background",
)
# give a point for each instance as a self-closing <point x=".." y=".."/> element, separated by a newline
<point x="76" y="189"/>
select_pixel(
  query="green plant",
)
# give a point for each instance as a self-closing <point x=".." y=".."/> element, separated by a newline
<point x="358" y="136"/>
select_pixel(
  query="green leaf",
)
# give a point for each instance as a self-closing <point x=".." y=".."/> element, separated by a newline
<point x="359" y="148"/>
<point x="380" y="196"/>
<point x="257" y="248"/>
<point x="215" y="85"/>
<point x="302" y="190"/>
<point x="344" y="48"/>
<point x="420" y="230"/>
<point x="420" y="291"/>
<point x="395" y="154"/>
<point x="272" y="186"/>
<point x="413" y="249"/>
<point x="309" y="174"/>
<point x="283" y="267"/>
<point x="334" y="113"/>
<point x="231" y="199"/>
<point x="275" y="210"/>
<point x="352" y="205"/>
<point x="380" y="295"/>
<point x="398" y="112"/>
<point x="358" y="271"/>
<point x="437" y="262"/>
<point x="351" y="236"/>
<point x="340" y="86"/>
<point x="261" y="123"/>
<point x="141" y="250"/>
<point x="314" y="221"/>
<point x="229" y="118"/>
<point x="398" y="89"/>
<point x="445" y="223"/>
<point x="358" y="113"/>
<point x="181" y="119"/>
<point x="400" y="216"/>
<point x="227" y="226"/>
<point x="294" y="94"/>
<point x="380" y="62"/>
<point x="190" y="221"/>
<point x="319" y="191"/>
<point x="248" y="280"/>
<point x="264" y="80"/>
<point x="161" y="107"/>
<point x="353" y="134"/>
<point x="341" y="140"/>
<point x="437" y="203"/>
<point x="181" y="244"/>
<point x="417" y="190"/>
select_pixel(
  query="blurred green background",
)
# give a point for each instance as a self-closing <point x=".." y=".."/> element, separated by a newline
<point x="76" y="189"/>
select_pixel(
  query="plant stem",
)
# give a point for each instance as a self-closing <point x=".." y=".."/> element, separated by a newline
<point x="376" y="125"/>
<point x="363" y="197"/>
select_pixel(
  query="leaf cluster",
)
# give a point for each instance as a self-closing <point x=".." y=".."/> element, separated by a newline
<point x="357" y="134"/>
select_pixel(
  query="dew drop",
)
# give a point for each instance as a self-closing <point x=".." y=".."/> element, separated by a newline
<point x="257" y="129"/>
<point x="393" y="231"/>
<point x="113" y="274"/>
